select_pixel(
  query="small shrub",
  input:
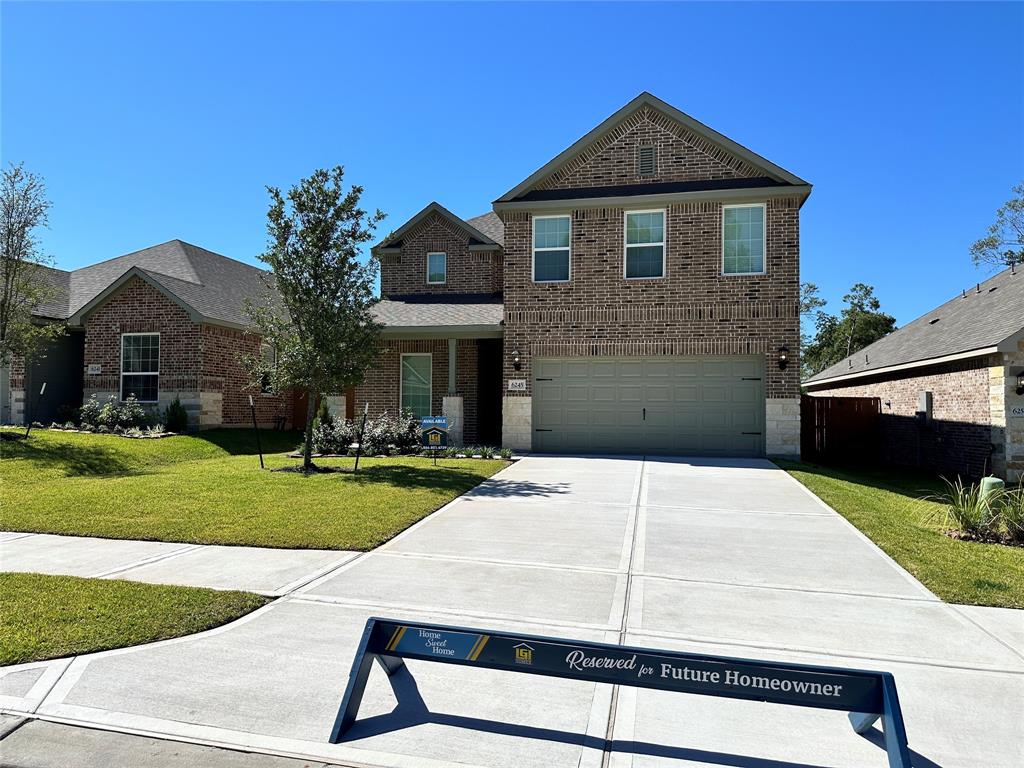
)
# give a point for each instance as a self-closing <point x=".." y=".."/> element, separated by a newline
<point x="505" y="453"/>
<point x="38" y="425"/>
<point x="323" y="413"/>
<point x="89" y="413"/>
<point x="175" y="417"/>
<point x="1011" y="512"/>
<point x="486" y="452"/>
<point x="332" y="435"/>
<point x="386" y="433"/>
<point x="103" y="429"/>
<point x="964" y="509"/>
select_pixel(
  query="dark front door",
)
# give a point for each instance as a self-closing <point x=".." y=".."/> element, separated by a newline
<point x="489" y="361"/>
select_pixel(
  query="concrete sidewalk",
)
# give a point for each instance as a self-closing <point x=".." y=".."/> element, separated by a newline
<point x="730" y="557"/>
<point x="268" y="571"/>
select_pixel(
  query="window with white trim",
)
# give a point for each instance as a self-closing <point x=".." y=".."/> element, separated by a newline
<point x="414" y="390"/>
<point x="140" y="366"/>
<point x="551" y="251"/>
<point x="743" y="239"/>
<point x="437" y="268"/>
<point x="645" y="244"/>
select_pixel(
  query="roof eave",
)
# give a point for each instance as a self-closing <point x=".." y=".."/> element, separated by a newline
<point x="925" y="363"/>
<point x="433" y="207"/>
<point x="79" y="316"/>
<point x="723" y="195"/>
<point x="476" y="331"/>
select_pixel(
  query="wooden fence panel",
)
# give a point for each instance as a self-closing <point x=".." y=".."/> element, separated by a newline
<point x="839" y="430"/>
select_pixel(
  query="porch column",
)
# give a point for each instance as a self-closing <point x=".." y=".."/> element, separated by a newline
<point x="451" y="404"/>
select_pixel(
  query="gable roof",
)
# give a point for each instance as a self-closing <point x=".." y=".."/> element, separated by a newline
<point x="212" y="287"/>
<point x="478" y="241"/>
<point x="645" y="99"/>
<point x="490" y="225"/>
<point x="975" y="323"/>
<point x="58" y="289"/>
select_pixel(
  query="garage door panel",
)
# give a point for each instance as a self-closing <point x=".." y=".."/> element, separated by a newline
<point x="695" y="405"/>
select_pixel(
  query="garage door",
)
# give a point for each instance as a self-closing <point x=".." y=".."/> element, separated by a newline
<point x="696" y="406"/>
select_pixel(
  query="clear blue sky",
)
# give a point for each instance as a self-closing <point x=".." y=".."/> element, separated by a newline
<point x="153" y="121"/>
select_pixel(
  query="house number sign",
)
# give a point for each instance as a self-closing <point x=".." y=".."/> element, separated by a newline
<point x="1017" y="411"/>
<point x="517" y="385"/>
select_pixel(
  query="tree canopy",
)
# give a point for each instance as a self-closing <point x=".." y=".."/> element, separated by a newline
<point x="1003" y="246"/>
<point x="860" y="323"/>
<point x="318" y="333"/>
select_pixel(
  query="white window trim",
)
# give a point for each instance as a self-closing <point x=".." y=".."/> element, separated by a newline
<point x="156" y="373"/>
<point x="764" y="240"/>
<point x="430" y="379"/>
<point x="534" y="248"/>
<point x="664" y="242"/>
<point x="437" y="282"/>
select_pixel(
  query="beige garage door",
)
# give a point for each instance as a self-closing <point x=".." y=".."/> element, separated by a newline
<point x="695" y="406"/>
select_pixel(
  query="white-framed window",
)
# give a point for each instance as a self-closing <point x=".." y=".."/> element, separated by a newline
<point x="268" y="353"/>
<point x="743" y="239"/>
<point x="437" y="268"/>
<point x="140" y="366"/>
<point x="415" y="383"/>
<point x="645" y="245"/>
<point x="551" y="251"/>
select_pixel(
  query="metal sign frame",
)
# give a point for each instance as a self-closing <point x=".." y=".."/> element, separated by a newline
<point x="866" y="696"/>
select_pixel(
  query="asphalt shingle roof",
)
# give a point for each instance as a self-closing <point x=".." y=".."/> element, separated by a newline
<point x="490" y="225"/>
<point x="439" y="310"/>
<point x="58" y="290"/>
<point x="982" y="317"/>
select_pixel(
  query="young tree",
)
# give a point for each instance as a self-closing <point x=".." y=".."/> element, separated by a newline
<point x="1003" y="246"/>
<point x="859" y="324"/>
<point x="23" y="210"/>
<point x="316" y="315"/>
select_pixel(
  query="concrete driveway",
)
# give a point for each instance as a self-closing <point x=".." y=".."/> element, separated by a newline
<point x="729" y="556"/>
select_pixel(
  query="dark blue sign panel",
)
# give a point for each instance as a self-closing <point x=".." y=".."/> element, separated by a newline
<point x="868" y="696"/>
<point x="434" y="432"/>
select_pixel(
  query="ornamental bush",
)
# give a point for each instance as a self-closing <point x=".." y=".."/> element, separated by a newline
<point x="333" y="435"/>
<point x="113" y="414"/>
<point x="175" y="417"/>
<point x="389" y="434"/>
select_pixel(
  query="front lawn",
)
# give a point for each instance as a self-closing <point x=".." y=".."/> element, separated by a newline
<point x="208" y="488"/>
<point x="47" y="617"/>
<point x="888" y="507"/>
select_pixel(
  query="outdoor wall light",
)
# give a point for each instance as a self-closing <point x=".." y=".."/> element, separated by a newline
<point x="516" y="362"/>
<point x="783" y="357"/>
<point x="1020" y="383"/>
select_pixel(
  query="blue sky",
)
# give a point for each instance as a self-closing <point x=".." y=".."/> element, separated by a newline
<point x="152" y="121"/>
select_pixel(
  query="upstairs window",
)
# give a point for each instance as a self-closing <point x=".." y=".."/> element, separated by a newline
<point x="645" y="244"/>
<point x="414" y="394"/>
<point x="743" y="239"/>
<point x="551" y="249"/>
<point x="437" y="268"/>
<point x="140" y="366"/>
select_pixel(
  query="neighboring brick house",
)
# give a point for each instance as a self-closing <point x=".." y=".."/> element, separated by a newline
<point x="159" y="323"/>
<point x="951" y="383"/>
<point x="637" y="294"/>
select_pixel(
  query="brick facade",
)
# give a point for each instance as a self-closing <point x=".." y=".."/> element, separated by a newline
<point x="382" y="383"/>
<point x="962" y="438"/>
<point x="467" y="271"/>
<point x="200" y="364"/>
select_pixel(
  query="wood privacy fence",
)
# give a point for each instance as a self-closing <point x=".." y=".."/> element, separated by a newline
<point x="839" y="430"/>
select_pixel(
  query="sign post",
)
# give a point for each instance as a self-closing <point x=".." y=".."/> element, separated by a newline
<point x="42" y="391"/>
<point x="434" y="434"/>
<point x="362" y="430"/>
<point x="866" y="696"/>
<point x="256" y="429"/>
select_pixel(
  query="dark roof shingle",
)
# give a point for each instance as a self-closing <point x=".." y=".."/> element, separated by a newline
<point x="980" y="318"/>
<point x="435" y="310"/>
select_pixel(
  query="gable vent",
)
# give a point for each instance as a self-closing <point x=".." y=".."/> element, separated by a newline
<point x="645" y="161"/>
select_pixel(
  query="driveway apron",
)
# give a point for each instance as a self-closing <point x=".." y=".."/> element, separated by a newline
<point x="728" y="557"/>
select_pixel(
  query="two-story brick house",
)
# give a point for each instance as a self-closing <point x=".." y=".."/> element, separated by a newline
<point x="638" y="293"/>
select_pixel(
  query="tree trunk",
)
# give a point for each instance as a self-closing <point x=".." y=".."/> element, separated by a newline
<point x="307" y="453"/>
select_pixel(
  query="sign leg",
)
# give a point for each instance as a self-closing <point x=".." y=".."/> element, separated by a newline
<point x="862" y="721"/>
<point x="390" y="664"/>
<point x="892" y="726"/>
<point x="357" y="678"/>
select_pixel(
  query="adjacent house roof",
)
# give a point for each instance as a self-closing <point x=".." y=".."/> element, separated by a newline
<point x="450" y="314"/>
<point x="478" y="240"/>
<point x="490" y="225"/>
<point x="771" y="171"/>
<point x="980" y="321"/>
<point x="58" y="289"/>
<point x="213" y="288"/>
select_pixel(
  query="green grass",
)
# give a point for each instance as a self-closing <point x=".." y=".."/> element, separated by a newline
<point x="209" y="489"/>
<point x="47" y="617"/>
<point x="889" y="508"/>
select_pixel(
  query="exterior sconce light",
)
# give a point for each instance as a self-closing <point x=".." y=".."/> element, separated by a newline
<point x="516" y="362"/>
<point x="1020" y="383"/>
<point x="783" y="357"/>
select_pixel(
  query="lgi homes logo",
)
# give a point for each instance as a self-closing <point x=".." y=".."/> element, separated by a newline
<point x="524" y="653"/>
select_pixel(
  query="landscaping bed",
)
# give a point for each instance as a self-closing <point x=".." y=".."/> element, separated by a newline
<point x="47" y="617"/>
<point x="900" y="512"/>
<point x="208" y="488"/>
